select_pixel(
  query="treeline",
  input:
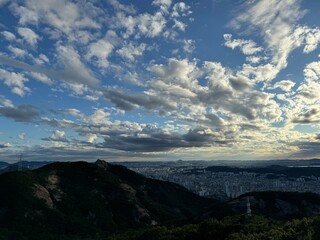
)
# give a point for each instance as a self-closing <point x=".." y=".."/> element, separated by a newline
<point x="240" y="227"/>
<point x="232" y="228"/>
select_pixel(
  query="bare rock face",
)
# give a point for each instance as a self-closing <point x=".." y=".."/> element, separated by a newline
<point x="53" y="181"/>
<point x="41" y="192"/>
<point x="102" y="164"/>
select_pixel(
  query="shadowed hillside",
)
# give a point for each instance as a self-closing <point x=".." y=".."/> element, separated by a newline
<point x="84" y="198"/>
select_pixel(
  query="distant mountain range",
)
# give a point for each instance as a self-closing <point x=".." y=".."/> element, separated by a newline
<point x="23" y="165"/>
<point x="81" y="200"/>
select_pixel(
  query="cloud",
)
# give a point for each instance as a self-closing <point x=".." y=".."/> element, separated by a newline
<point x="5" y="102"/>
<point x="41" y="77"/>
<point x="312" y="39"/>
<point x="247" y="47"/>
<point x="312" y="71"/>
<point x="153" y="139"/>
<point x="276" y="22"/>
<point x="9" y="36"/>
<point x="130" y="52"/>
<point x="4" y="145"/>
<point x="20" y="113"/>
<point x="65" y="16"/>
<point x="284" y="85"/>
<point x="57" y="136"/>
<point x="130" y="9"/>
<point x="74" y="70"/>
<point x="22" y="136"/>
<point x="306" y="149"/>
<point x="129" y="101"/>
<point x="102" y="49"/>
<point x="311" y="116"/>
<point x="29" y="36"/>
<point x="17" y="52"/>
<point x="15" y="81"/>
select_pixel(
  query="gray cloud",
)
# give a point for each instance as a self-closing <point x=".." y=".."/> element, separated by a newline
<point x="4" y="145"/>
<point x="74" y="71"/>
<point x="128" y="101"/>
<point x="311" y="116"/>
<point x="21" y="113"/>
<point x="155" y="140"/>
<point x="307" y="149"/>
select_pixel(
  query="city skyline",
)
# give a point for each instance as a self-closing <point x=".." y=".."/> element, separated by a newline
<point x="159" y="80"/>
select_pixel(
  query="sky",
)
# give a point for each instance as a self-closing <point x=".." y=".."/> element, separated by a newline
<point x="159" y="80"/>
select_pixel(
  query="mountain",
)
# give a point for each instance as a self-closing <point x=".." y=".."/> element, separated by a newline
<point x="3" y="165"/>
<point x="84" y="199"/>
<point x="23" y="165"/>
<point x="278" y="205"/>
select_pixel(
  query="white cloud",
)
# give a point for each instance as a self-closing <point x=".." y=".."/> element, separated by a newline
<point x="100" y="50"/>
<point x="130" y="52"/>
<point x="181" y="72"/>
<point x="181" y="9"/>
<point x="141" y="25"/>
<point x="41" y="77"/>
<point x="91" y="137"/>
<point x="189" y="45"/>
<point x="57" y="134"/>
<point x="15" y="81"/>
<point x="247" y="47"/>
<point x="312" y="39"/>
<point x="276" y="21"/>
<point x="74" y="70"/>
<point x="312" y="71"/>
<point x="163" y="4"/>
<point x="6" y="102"/>
<point x="121" y="7"/>
<point x="22" y="136"/>
<point x="285" y="85"/>
<point x="9" y="36"/>
<point x="17" y="52"/>
<point x="253" y="59"/>
<point x="28" y="35"/>
<point x="65" y="16"/>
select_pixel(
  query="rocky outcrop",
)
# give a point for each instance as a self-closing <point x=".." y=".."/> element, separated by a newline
<point x="42" y="193"/>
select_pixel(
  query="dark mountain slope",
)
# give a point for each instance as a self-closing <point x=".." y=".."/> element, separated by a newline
<point x="85" y="198"/>
<point x="279" y="205"/>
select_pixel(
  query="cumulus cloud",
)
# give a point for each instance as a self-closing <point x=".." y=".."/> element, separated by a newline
<point x="284" y="85"/>
<point x="65" y="16"/>
<point x="9" y="36"/>
<point x="28" y="35"/>
<point x="247" y="47"/>
<point x="22" y="136"/>
<point x="57" y="136"/>
<point x="17" y="52"/>
<point x="15" y="81"/>
<point x="312" y="71"/>
<point x="102" y="49"/>
<point x="310" y="116"/>
<point x="130" y="52"/>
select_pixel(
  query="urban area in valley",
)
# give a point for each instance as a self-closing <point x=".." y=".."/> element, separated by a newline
<point x="226" y="182"/>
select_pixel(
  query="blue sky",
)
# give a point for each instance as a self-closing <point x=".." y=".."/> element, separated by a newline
<point x="159" y="80"/>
